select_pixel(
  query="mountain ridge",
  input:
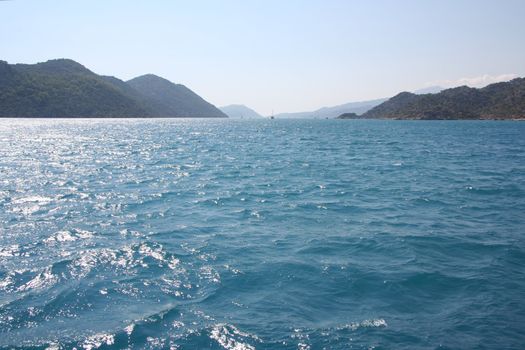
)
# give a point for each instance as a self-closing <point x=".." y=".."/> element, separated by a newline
<point x="63" y="88"/>
<point x="238" y="111"/>
<point x="505" y="100"/>
<point x="173" y="100"/>
<point x="334" y="111"/>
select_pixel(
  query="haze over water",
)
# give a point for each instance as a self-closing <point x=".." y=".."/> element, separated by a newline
<point x="261" y="234"/>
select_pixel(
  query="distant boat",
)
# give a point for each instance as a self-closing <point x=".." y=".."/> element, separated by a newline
<point x="272" y="117"/>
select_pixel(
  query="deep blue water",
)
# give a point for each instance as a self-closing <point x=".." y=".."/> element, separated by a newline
<point x="208" y="234"/>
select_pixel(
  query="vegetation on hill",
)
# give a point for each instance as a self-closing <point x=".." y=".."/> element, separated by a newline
<point x="64" y="88"/>
<point x="173" y="100"/>
<point x="497" y="101"/>
<point x="349" y="116"/>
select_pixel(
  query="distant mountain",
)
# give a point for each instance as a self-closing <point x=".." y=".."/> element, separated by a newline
<point x="429" y="90"/>
<point x="496" y="101"/>
<point x="65" y="88"/>
<point x="240" y="112"/>
<point x="334" y="112"/>
<point x="173" y="100"/>
<point x="349" y="108"/>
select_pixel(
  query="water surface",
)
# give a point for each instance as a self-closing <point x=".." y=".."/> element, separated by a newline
<point x="208" y="234"/>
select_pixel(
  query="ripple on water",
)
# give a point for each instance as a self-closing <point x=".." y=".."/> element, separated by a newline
<point x="206" y="234"/>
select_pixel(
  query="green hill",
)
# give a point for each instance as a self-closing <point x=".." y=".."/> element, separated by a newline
<point x="64" y="88"/>
<point x="497" y="101"/>
<point x="172" y="100"/>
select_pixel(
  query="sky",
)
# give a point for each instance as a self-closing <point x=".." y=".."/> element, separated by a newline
<point x="276" y="55"/>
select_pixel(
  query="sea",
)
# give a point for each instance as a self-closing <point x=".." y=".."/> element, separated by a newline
<point x="261" y="234"/>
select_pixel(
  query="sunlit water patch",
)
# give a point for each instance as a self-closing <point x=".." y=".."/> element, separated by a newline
<point x="206" y="234"/>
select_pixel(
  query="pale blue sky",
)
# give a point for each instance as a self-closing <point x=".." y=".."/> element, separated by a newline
<point x="285" y="55"/>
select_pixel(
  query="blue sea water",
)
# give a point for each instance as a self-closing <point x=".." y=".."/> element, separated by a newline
<point x="305" y="234"/>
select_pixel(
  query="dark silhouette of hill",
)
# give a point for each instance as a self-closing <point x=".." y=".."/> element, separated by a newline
<point x="349" y="115"/>
<point x="496" y="101"/>
<point x="64" y="88"/>
<point x="173" y="100"/>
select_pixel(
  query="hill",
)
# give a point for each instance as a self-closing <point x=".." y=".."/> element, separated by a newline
<point x="61" y="88"/>
<point x="240" y="112"/>
<point x="335" y="111"/>
<point x="167" y="99"/>
<point x="64" y="88"/>
<point x="350" y="108"/>
<point x="496" y="101"/>
<point x="349" y="116"/>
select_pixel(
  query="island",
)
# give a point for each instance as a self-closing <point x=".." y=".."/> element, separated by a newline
<point x="499" y="101"/>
